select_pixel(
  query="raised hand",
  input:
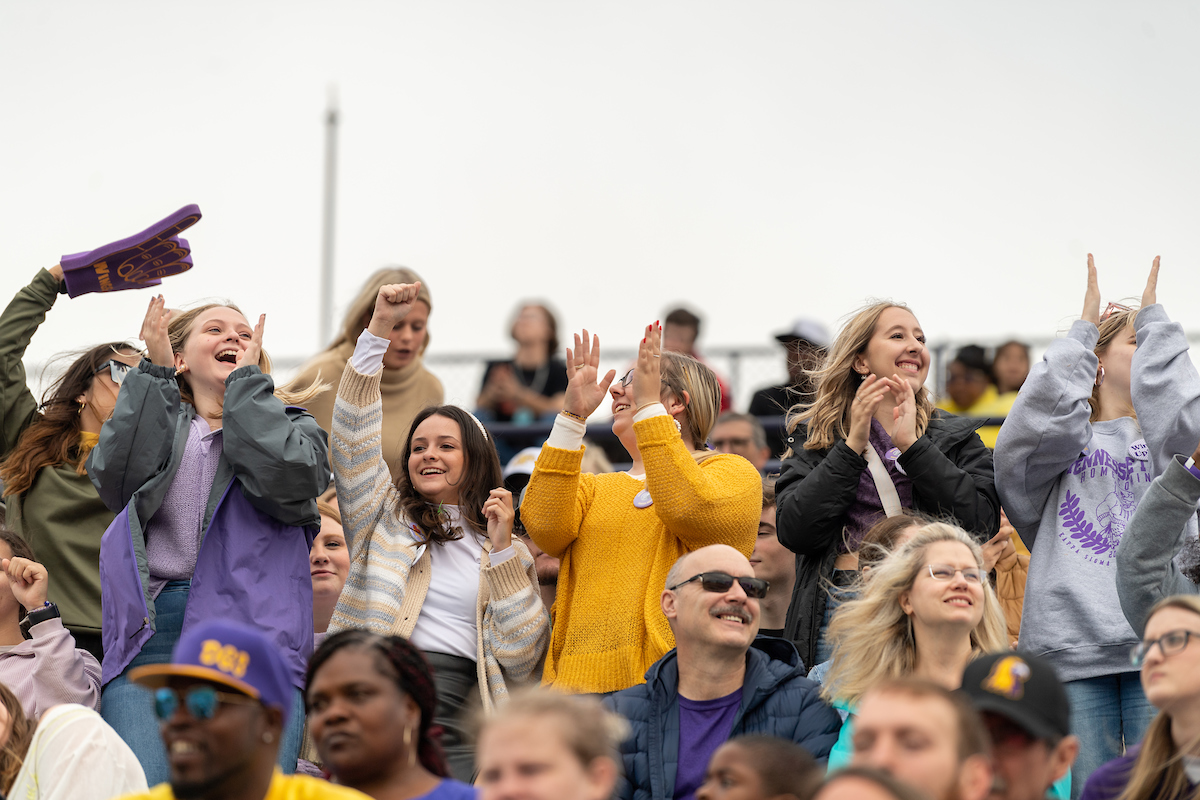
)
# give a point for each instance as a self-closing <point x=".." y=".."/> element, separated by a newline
<point x="1091" y="298"/>
<point x="904" y="415"/>
<point x="28" y="581"/>
<point x="999" y="546"/>
<point x="392" y="304"/>
<point x="1150" y="295"/>
<point x="862" y="410"/>
<point x="584" y="392"/>
<point x="498" y="510"/>
<point x="647" y="374"/>
<point x="253" y="350"/>
<point x="56" y="272"/>
<point x="154" y="333"/>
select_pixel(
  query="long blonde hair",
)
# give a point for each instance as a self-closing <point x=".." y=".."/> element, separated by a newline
<point x="872" y="637"/>
<point x="1158" y="770"/>
<point x="179" y="330"/>
<point x="1110" y="328"/>
<point x="827" y="417"/>
<point x="364" y="303"/>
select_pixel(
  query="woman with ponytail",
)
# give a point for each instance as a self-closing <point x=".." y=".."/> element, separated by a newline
<point x="371" y="702"/>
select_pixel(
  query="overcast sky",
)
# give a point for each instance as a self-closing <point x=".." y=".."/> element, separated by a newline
<point x="756" y="160"/>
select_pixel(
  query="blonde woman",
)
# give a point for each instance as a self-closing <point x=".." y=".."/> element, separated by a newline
<point x="1164" y="767"/>
<point x="406" y="386"/>
<point x="925" y="613"/>
<point x="871" y="405"/>
<point x="618" y="534"/>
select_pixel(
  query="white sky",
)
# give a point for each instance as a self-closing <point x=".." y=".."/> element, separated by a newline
<point x="757" y="160"/>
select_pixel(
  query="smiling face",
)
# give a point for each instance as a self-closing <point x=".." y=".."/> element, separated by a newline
<point x="329" y="559"/>
<point x="1172" y="682"/>
<point x="210" y="352"/>
<point x="931" y="602"/>
<point x="437" y="461"/>
<point x="713" y="619"/>
<point x="896" y="347"/>
<point x="408" y="338"/>
<point x="357" y="717"/>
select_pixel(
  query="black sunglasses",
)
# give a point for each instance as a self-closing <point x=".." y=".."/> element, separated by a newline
<point x="722" y="582"/>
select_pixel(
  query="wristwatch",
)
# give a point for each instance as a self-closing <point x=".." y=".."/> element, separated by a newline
<point x="45" y="612"/>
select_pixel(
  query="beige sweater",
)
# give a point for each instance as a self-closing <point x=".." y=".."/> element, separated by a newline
<point x="390" y="571"/>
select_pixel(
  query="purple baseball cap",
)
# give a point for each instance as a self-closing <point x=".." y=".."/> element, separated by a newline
<point x="134" y="262"/>
<point x="230" y="654"/>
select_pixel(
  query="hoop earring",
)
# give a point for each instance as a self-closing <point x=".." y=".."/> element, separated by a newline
<point x="412" y="751"/>
<point x="1100" y="376"/>
<point x="82" y="406"/>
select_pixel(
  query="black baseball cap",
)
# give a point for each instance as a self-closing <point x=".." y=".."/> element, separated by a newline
<point x="1023" y="688"/>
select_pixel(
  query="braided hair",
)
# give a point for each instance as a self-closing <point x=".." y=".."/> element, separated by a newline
<point x="398" y="660"/>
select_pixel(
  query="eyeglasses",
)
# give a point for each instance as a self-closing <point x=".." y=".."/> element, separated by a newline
<point x="720" y="582"/>
<point x="626" y="379"/>
<point x="1169" y="643"/>
<point x="1113" y="308"/>
<point x="200" y="701"/>
<point x="720" y="444"/>
<point x="117" y="370"/>
<point x="945" y="572"/>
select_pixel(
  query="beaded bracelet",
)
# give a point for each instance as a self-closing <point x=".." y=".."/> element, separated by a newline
<point x="570" y="415"/>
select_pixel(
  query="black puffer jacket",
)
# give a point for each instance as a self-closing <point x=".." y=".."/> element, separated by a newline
<point x="777" y="700"/>
<point x="951" y="473"/>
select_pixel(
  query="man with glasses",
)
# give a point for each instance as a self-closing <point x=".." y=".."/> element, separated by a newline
<point x="1028" y="717"/>
<point x="223" y="703"/>
<point x="719" y="681"/>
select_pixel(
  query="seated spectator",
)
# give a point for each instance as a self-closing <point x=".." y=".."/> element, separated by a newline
<point x="926" y="736"/>
<point x="680" y="331"/>
<point x="548" y="746"/>
<point x="406" y="386"/>
<point x="806" y="344"/>
<point x="775" y="564"/>
<point x="1028" y="718"/>
<point x="760" y="768"/>
<point x="433" y="557"/>
<point x="743" y="435"/>
<point x="47" y="668"/>
<point x="223" y="703"/>
<point x="1010" y="367"/>
<point x="329" y="564"/>
<point x="970" y="391"/>
<point x="70" y="754"/>
<point x="865" y="783"/>
<point x="370" y="703"/>
<point x="1164" y="766"/>
<point x="925" y="612"/>
<point x="618" y="534"/>
<point x="530" y="386"/>
<point x="718" y="682"/>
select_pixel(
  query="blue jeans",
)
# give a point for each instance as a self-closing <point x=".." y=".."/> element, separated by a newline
<point x="1108" y="714"/>
<point x="129" y="708"/>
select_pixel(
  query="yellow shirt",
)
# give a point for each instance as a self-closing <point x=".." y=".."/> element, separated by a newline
<point x="283" y="787"/>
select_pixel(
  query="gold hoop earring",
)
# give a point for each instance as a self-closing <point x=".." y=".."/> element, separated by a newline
<point x="412" y="751"/>
<point x="82" y="406"/>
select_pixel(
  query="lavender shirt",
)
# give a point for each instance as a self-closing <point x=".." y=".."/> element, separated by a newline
<point x="868" y="508"/>
<point x="704" y="725"/>
<point x="173" y="534"/>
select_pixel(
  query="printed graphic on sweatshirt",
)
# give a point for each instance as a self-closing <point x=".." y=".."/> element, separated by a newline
<point x="1093" y="530"/>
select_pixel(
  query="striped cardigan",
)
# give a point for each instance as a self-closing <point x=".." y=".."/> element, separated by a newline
<point x="390" y="571"/>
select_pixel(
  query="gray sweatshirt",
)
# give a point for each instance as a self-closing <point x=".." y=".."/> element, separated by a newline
<point x="1070" y="486"/>
<point x="1146" y="569"/>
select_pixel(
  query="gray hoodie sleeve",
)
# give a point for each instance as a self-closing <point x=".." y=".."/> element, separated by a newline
<point x="1165" y="387"/>
<point x="1146" y="570"/>
<point x="1047" y="428"/>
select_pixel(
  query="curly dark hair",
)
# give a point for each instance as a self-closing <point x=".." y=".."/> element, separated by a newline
<point x="481" y="474"/>
<point x="398" y="660"/>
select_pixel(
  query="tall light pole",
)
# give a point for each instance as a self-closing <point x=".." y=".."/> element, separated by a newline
<point x="327" y="222"/>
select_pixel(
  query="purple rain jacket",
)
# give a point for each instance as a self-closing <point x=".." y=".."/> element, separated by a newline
<point x="259" y="523"/>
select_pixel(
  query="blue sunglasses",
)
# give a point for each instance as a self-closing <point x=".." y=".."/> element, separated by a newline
<point x="201" y="701"/>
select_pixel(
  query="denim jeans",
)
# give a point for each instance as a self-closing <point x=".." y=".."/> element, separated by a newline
<point x="129" y="708"/>
<point x="1108" y="714"/>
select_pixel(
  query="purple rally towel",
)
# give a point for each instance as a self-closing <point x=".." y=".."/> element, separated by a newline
<point x="131" y="263"/>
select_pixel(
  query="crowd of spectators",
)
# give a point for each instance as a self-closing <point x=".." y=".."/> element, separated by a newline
<point x="214" y="587"/>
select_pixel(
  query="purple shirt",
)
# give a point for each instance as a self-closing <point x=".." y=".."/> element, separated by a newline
<point x="868" y="508"/>
<point x="704" y="725"/>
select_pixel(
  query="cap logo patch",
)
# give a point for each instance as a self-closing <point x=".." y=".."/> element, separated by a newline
<point x="1007" y="678"/>
<point x="225" y="658"/>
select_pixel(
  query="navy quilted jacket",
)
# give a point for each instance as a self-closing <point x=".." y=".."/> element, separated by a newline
<point x="777" y="700"/>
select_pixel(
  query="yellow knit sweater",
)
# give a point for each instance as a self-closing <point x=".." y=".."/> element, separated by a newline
<point x="608" y="622"/>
